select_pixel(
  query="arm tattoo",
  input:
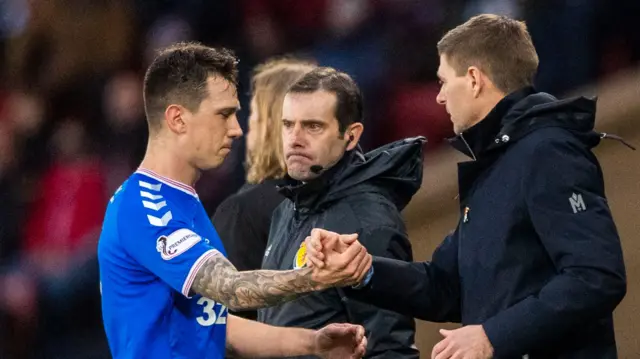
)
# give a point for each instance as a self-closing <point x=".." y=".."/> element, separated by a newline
<point x="219" y="280"/>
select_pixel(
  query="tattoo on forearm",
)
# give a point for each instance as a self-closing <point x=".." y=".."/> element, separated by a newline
<point x="219" y="280"/>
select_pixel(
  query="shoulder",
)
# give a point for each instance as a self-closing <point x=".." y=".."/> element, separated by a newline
<point x="367" y="210"/>
<point x="148" y="203"/>
<point x="551" y="141"/>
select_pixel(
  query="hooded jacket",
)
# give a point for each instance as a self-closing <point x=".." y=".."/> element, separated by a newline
<point x="535" y="258"/>
<point x="364" y="194"/>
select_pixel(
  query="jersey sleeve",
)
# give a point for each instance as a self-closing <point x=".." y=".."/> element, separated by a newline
<point x="166" y="246"/>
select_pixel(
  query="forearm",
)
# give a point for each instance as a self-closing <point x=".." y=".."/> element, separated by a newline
<point x="219" y="280"/>
<point x="251" y="339"/>
<point x="418" y="289"/>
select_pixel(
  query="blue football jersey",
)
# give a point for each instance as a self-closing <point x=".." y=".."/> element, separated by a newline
<point x="155" y="237"/>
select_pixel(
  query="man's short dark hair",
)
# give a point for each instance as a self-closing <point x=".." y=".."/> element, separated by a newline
<point x="348" y="96"/>
<point x="498" y="45"/>
<point x="179" y="75"/>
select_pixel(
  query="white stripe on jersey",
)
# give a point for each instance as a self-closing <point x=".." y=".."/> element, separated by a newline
<point x="160" y="222"/>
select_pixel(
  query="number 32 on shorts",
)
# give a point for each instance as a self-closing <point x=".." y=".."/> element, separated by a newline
<point x="209" y="314"/>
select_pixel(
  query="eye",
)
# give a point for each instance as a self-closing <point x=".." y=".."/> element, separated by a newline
<point x="287" y="124"/>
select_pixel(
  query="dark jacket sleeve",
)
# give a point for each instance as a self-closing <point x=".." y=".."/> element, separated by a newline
<point x="568" y="209"/>
<point x="424" y="290"/>
<point x="390" y="334"/>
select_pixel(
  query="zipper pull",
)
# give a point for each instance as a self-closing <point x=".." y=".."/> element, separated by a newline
<point x="617" y="138"/>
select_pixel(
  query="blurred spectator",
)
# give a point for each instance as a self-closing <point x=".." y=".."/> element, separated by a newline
<point x="562" y="32"/>
<point x="70" y="205"/>
<point x="124" y="137"/>
<point x="278" y="26"/>
<point x="163" y="32"/>
<point x="65" y="39"/>
<point x="54" y="274"/>
<point x="9" y="224"/>
<point x="413" y="111"/>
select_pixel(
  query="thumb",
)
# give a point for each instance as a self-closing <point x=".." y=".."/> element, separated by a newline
<point x="445" y="333"/>
<point x="341" y="330"/>
<point x="329" y="243"/>
<point x="349" y="238"/>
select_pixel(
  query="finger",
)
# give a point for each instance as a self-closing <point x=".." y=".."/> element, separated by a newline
<point x="352" y="268"/>
<point x="312" y="250"/>
<point x="314" y="262"/>
<point x="361" y="349"/>
<point x="360" y="333"/>
<point x="445" y="333"/>
<point x="438" y="348"/>
<point x="317" y="232"/>
<point x="446" y="353"/>
<point x="314" y="240"/>
<point x="368" y="263"/>
<point x="362" y="268"/>
<point x="352" y="252"/>
<point x="353" y="263"/>
<point x="348" y="262"/>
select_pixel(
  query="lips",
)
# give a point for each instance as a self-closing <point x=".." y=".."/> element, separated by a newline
<point x="297" y="154"/>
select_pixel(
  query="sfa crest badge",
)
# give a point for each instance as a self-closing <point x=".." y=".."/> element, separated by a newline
<point x="300" y="259"/>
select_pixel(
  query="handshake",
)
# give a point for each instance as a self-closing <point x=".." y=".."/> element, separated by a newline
<point x="338" y="260"/>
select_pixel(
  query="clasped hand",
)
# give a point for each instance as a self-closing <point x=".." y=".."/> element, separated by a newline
<point x="337" y="259"/>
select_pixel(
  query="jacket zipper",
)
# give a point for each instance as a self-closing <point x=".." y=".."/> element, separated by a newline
<point x="473" y="155"/>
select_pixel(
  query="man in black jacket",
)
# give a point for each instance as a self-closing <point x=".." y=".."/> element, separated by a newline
<point x="534" y="268"/>
<point x="331" y="184"/>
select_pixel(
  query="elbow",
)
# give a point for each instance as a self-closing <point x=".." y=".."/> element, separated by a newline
<point x="611" y="290"/>
<point x="616" y="282"/>
<point x="232" y="305"/>
<point x="618" y="289"/>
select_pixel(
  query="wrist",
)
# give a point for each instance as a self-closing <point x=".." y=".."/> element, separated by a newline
<point x="365" y="281"/>
<point x="488" y="347"/>
<point x="311" y="344"/>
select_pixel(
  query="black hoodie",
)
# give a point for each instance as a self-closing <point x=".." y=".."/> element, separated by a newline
<point x="363" y="193"/>
<point x="536" y="257"/>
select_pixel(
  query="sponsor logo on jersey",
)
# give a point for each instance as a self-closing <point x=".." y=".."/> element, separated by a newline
<point x="176" y="243"/>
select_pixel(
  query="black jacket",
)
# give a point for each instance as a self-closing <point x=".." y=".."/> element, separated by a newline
<point x="361" y="194"/>
<point x="242" y="222"/>
<point x="536" y="257"/>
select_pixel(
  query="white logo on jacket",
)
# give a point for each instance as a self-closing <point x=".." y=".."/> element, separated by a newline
<point x="577" y="203"/>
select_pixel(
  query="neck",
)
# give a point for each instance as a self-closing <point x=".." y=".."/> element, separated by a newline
<point x="489" y="104"/>
<point x="161" y="159"/>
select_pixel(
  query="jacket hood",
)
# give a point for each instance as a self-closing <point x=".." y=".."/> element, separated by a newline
<point x="394" y="170"/>
<point x="523" y="112"/>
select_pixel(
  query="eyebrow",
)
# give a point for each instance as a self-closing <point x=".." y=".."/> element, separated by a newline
<point x="230" y="109"/>
<point x="306" y="121"/>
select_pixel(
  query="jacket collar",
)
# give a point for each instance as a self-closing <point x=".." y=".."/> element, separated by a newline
<point x="307" y="194"/>
<point x="474" y="141"/>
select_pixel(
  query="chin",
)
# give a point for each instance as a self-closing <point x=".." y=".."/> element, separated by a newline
<point x="303" y="175"/>
<point x="211" y="164"/>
